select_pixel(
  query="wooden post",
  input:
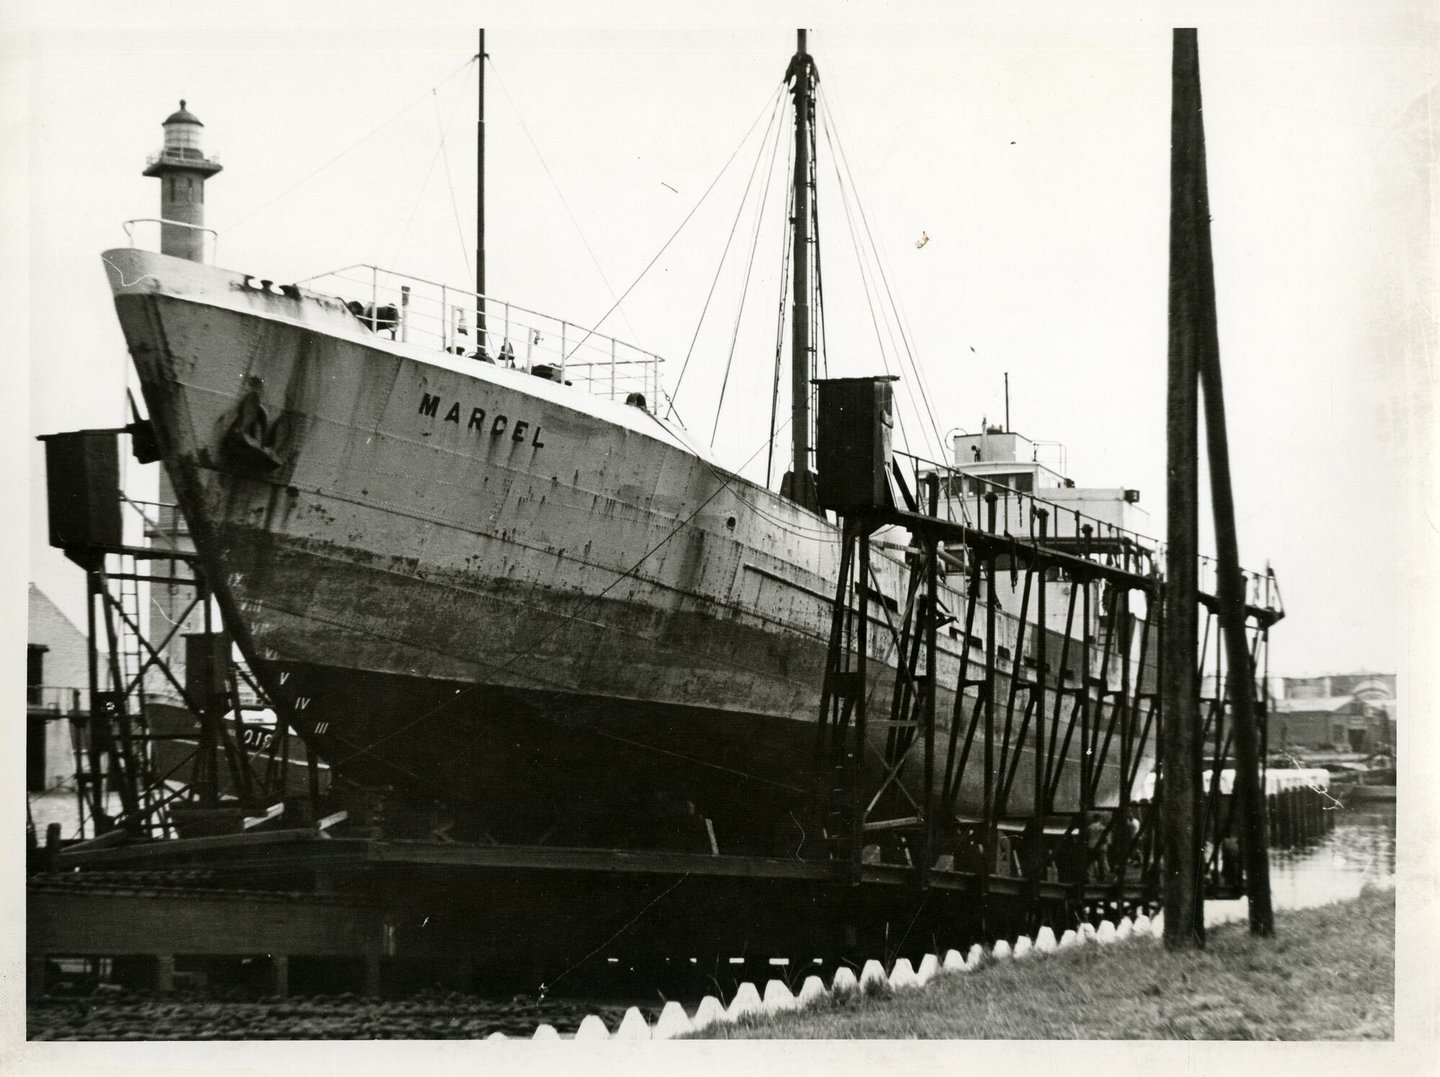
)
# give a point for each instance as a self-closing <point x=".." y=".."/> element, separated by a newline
<point x="1230" y="585"/>
<point x="932" y="618"/>
<point x="862" y="660"/>
<point x="1180" y="746"/>
<point x="280" y="975"/>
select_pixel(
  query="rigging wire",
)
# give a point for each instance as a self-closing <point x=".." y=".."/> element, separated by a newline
<point x="354" y="145"/>
<point x="425" y="184"/>
<point x="817" y="333"/>
<point x="723" y="169"/>
<point x="884" y="279"/>
<point x="749" y="268"/>
<point x="684" y="366"/>
<point x="868" y="272"/>
<point x="780" y="316"/>
<point x="450" y="182"/>
<point x="915" y="388"/>
<point x="864" y="277"/>
<point x="634" y="334"/>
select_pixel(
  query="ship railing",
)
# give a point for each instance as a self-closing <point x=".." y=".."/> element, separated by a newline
<point x="963" y="499"/>
<point x="182" y="155"/>
<point x="418" y="311"/>
<point x="150" y="237"/>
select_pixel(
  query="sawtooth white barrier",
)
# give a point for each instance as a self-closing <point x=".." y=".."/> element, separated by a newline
<point x="903" y="976"/>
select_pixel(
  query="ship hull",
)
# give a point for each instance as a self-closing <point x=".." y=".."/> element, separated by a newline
<point x="492" y="589"/>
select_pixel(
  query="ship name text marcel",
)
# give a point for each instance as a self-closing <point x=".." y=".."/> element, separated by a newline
<point x="430" y="405"/>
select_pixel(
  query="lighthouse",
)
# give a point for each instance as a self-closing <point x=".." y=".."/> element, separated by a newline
<point x="182" y="169"/>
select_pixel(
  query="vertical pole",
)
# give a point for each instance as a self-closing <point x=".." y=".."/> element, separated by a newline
<point x="988" y="819"/>
<point x="480" y="203"/>
<point x="800" y="485"/>
<point x="95" y="783"/>
<point x="1230" y="584"/>
<point x="1007" y="401"/>
<point x="1180" y="747"/>
<point x="862" y="643"/>
<point x="1041" y="807"/>
<point x="932" y="609"/>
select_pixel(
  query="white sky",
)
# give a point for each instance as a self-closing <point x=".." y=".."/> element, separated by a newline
<point x="1033" y="152"/>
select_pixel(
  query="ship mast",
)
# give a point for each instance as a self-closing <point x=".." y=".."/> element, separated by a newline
<point x="799" y="481"/>
<point x="480" y="205"/>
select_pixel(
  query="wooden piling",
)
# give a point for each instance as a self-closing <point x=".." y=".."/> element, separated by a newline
<point x="1180" y="746"/>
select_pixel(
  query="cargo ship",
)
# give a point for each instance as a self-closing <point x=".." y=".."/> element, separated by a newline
<point x="483" y="569"/>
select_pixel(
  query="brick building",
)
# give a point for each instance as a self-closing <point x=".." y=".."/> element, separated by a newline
<point x="57" y="679"/>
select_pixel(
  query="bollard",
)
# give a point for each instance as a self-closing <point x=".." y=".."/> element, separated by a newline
<point x="1087" y="932"/>
<point x="844" y="982"/>
<point x="778" y="998"/>
<point x="1023" y="947"/>
<point x="975" y="958"/>
<point x="671" y="1023"/>
<point x="545" y="1032"/>
<point x="812" y="991"/>
<point x="1106" y="934"/>
<point x="929" y="969"/>
<point x="1001" y="951"/>
<point x="902" y="976"/>
<point x="1142" y="925"/>
<point x="592" y="1028"/>
<point x="1124" y="929"/>
<point x="1069" y="940"/>
<point x="497" y="1036"/>
<point x="710" y="1011"/>
<point x="872" y="978"/>
<point x="746" y="1001"/>
<point x="953" y="961"/>
<point x="633" y="1026"/>
<point x="1045" y="941"/>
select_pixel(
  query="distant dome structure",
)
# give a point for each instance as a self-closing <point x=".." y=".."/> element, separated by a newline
<point x="183" y="115"/>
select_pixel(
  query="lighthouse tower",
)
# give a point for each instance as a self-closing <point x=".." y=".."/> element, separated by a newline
<point x="182" y="169"/>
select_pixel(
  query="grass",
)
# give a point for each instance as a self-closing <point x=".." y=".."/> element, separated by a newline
<point x="1328" y="974"/>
